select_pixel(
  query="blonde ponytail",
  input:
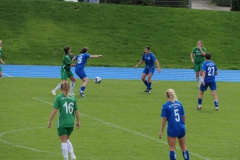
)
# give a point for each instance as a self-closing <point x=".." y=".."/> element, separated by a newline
<point x="65" y="88"/>
<point x="171" y="95"/>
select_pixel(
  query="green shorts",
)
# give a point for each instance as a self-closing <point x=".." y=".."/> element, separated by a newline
<point x="65" y="131"/>
<point x="0" y="68"/>
<point x="198" y="67"/>
<point x="66" y="74"/>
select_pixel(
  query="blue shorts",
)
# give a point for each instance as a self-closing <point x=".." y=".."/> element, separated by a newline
<point x="81" y="73"/>
<point x="212" y="85"/>
<point x="149" y="71"/>
<point x="178" y="135"/>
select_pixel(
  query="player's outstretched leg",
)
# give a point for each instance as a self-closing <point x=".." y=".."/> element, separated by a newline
<point x="57" y="88"/>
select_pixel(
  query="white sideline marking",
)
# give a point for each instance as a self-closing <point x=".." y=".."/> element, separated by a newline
<point x="137" y="133"/>
<point x="6" y="74"/>
<point x="32" y="149"/>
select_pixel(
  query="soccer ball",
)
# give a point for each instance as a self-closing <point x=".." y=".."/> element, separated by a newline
<point x="97" y="80"/>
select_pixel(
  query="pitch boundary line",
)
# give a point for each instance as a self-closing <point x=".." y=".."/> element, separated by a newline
<point x="121" y="128"/>
<point x="28" y="148"/>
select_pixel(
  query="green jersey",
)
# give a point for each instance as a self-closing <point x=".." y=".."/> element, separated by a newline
<point x="0" y="52"/>
<point x="67" y="107"/>
<point x="198" y="57"/>
<point x="67" y="61"/>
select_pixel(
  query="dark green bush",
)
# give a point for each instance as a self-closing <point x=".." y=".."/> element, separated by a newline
<point x="223" y="3"/>
<point x="235" y="5"/>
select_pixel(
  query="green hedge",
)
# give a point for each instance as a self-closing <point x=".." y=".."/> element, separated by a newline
<point x="223" y="3"/>
<point x="235" y="5"/>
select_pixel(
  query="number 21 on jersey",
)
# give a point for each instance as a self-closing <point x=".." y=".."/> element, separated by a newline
<point x="211" y="71"/>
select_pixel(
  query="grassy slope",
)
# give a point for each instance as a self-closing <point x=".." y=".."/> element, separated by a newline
<point x="35" y="32"/>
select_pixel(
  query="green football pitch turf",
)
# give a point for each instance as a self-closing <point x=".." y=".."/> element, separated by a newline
<point x="118" y="121"/>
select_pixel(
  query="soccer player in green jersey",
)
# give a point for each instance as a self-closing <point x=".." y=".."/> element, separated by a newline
<point x="197" y="57"/>
<point x="67" y="106"/>
<point x="1" y="59"/>
<point x="66" y="70"/>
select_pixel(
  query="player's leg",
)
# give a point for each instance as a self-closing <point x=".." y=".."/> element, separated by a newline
<point x="72" y="84"/>
<point x="0" y="72"/>
<point x="182" y="143"/>
<point x="81" y="73"/>
<point x="64" y="77"/>
<point x="69" y="144"/>
<point x="62" y="132"/>
<point x="144" y="75"/>
<point x="200" y="95"/>
<point x="197" y="70"/>
<point x="149" y="83"/>
<point x="213" y="87"/>
<point x="172" y="147"/>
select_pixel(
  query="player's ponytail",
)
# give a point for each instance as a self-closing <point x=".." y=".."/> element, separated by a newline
<point x="65" y="88"/>
<point x="66" y="49"/>
<point x="84" y="50"/>
<point x="170" y="94"/>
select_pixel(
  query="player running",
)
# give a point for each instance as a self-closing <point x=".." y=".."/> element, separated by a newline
<point x="79" y="69"/>
<point x="149" y="69"/>
<point x="66" y="70"/>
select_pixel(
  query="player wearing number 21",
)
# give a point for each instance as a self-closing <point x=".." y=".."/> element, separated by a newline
<point x="67" y="106"/>
<point x="173" y="113"/>
<point x="209" y="71"/>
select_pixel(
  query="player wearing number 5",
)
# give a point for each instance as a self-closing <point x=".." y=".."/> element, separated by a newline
<point x="67" y="106"/>
<point x="79" y="69"/>
<point x="209" y="71"/>
<point x="173" y="113"/>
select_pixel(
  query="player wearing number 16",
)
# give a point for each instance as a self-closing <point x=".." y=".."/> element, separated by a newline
<point x="67" y="106"/>
<point x="173" y="113"/>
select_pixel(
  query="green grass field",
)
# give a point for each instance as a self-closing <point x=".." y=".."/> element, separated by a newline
<point x="118" y="121"/>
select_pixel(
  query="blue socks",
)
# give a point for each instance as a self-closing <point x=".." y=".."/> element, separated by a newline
<point x="172" y="155"/>
<point x="185" y="155"/>
<point x="145" y="82"/>
<point x="149" y="85"/>
<point x="82" y="88"/>
<point x="199" y="101"/>
<point x="216" y="103"/>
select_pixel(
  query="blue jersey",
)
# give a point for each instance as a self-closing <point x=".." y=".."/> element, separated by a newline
<point x="149" y="60"/>
<point x="210" y="69"/>
<point x="81" y="60"/>
<point x="174" y="112"/>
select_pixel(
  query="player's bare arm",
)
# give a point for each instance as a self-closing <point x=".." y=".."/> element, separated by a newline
<point x="158" y="65"/>
<point x="191" y="55"/>
<point x="140" y="62"/>
<point x="96" y="56"/>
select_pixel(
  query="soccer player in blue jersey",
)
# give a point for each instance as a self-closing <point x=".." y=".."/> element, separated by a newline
<point x="209" y="71"/>
<point x="79" y="69"/>
<point x="149" y="69"/>
<point x="173" y="113"/>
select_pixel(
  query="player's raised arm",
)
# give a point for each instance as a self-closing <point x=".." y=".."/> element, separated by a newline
<point x="96" y="56"/>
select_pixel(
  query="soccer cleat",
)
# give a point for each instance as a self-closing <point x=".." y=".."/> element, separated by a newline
<point x="216" y="108"/>
<point x="72" y="94"/>
<point x="54" y="92"/>
<point x="148" y="91"/>
<point x="82" y="94"/>
<point x="198" y="108"/>
<point x="73" y="157"/>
